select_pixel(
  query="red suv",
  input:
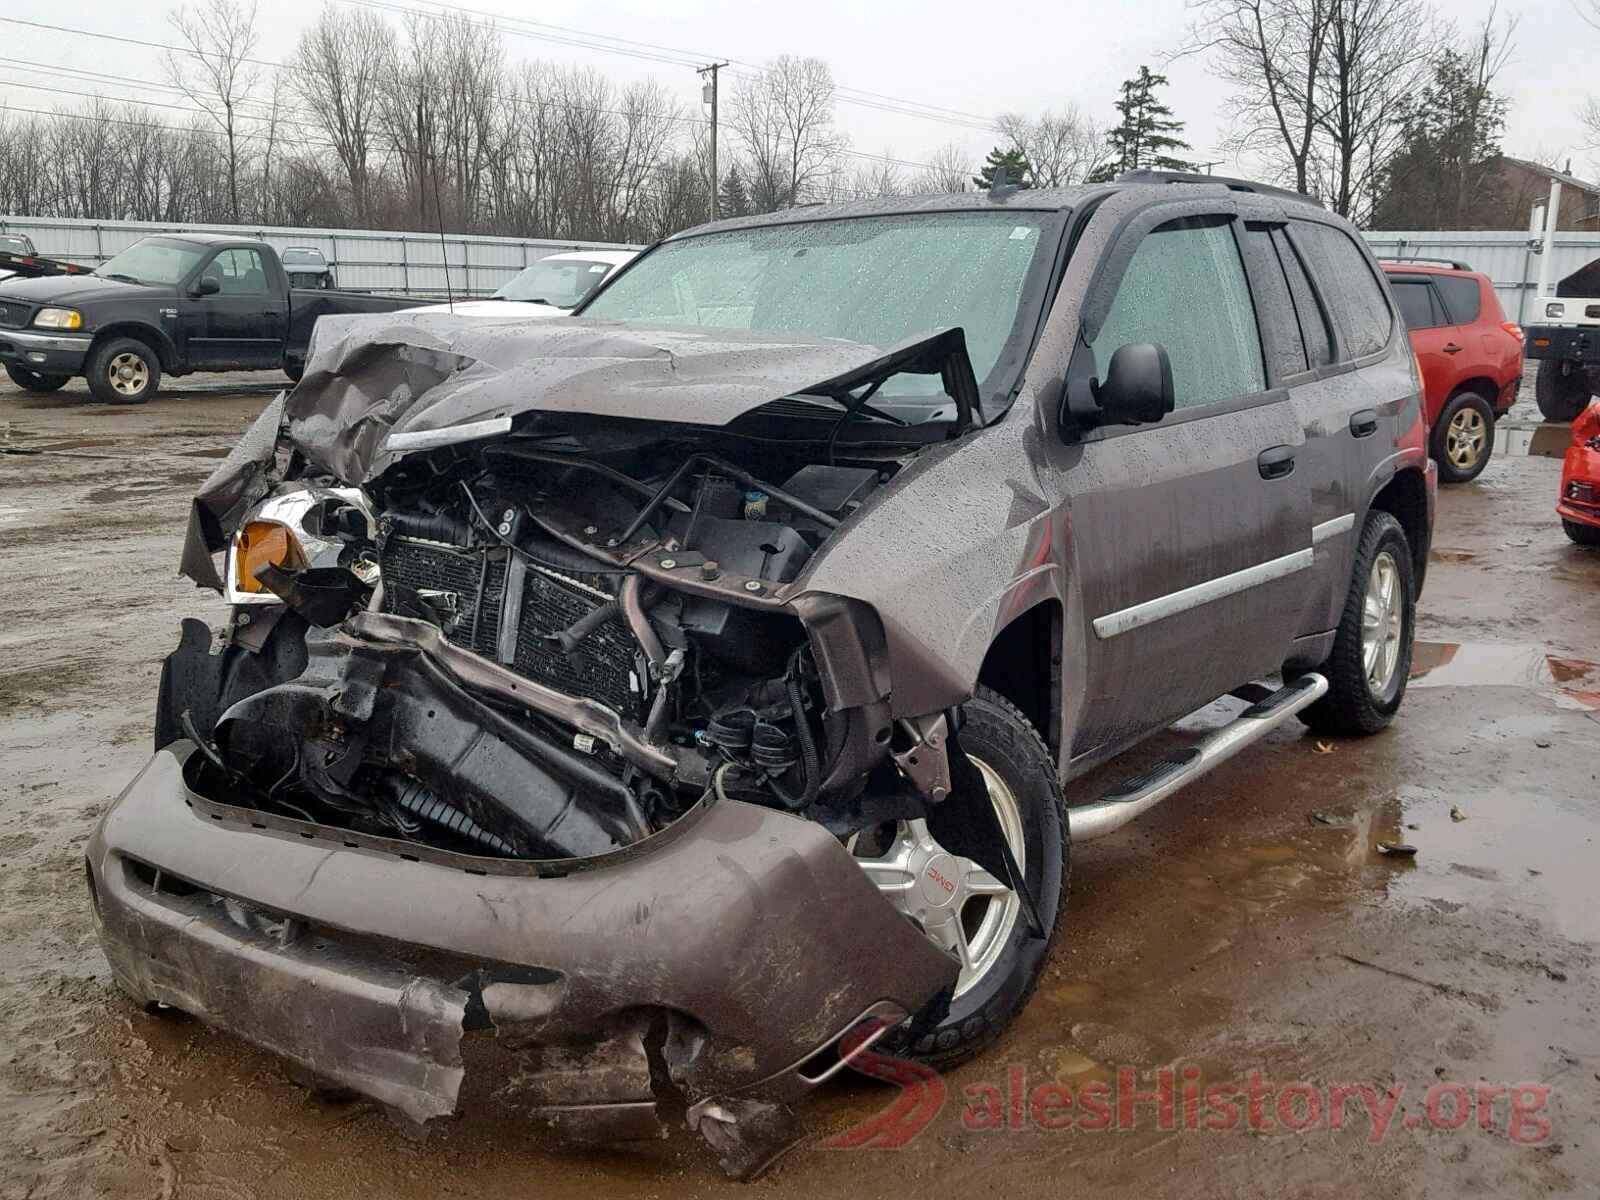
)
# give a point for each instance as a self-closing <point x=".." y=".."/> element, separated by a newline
<point x="1470" y="356"/>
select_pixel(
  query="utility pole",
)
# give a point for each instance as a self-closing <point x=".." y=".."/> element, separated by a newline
<point x="708" y="95"/>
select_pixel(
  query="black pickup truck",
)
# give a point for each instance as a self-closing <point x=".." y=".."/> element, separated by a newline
<point x="169" y="304"/>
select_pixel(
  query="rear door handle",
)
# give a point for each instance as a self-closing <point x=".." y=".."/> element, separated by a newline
<point x="1452" y="348"/>
<point x="1275" y="462"/>
<point x="1364" y="423"/>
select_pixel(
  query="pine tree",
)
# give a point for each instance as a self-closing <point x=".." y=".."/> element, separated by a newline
<point x="1147" y="132"/>
<point x="1013" y="165"/>
<point x="732" y="199"/>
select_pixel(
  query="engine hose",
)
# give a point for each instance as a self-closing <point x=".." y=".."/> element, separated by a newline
<point x="810" y="763"/>
<point x="634" y="600"/>
<point x="417" y="800"/>
<point x="569" y="638"/>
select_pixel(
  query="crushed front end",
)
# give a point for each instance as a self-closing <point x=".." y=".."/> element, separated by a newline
<point x="529" y="755"/>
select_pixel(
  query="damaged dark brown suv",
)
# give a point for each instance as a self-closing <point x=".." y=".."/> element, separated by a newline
<point x="629" y="707"/>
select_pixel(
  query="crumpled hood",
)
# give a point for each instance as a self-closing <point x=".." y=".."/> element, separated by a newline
<point x="369" y="377"/>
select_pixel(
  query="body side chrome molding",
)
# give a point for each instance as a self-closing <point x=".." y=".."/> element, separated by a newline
<point x="1327" y="529"/>
<point x="1172" y="603"/>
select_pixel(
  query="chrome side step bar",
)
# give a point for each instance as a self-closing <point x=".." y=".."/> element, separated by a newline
<point x="1136" y="796"/>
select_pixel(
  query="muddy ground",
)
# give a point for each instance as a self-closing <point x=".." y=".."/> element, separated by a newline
<point x="1248" y="925"/>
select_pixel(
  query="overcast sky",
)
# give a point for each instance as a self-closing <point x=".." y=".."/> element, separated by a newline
<point x="973" y="58"/>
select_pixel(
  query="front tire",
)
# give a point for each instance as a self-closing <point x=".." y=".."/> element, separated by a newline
<point x="33" y="381"/>
<point x="1372" y="649"/>
<point x="1583" y="535"/>
<point x="1561" y="395"/>
<point x="123" y="371"/>
<point x="1463" y="438"/>
<point x="1020" y="773"/>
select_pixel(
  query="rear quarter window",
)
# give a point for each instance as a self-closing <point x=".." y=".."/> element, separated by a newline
<point x="1462" y="298"/>
<point x="1350" y="284"/>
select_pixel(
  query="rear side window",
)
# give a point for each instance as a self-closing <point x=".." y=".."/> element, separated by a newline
<point x="1419" y="307"/>
<point x="1307" y="309"/>
<point x="1185" y="289"/>
<point x="1346" y="278"/>
<point x="1280" y="330"/>
<point x="1461" y="297"/>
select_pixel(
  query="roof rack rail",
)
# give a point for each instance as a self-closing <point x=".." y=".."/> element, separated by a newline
<point x="1233" y="185"/>
<point x="1427" y="262"/>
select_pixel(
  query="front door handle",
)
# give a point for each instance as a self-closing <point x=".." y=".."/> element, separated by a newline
<point x="1452" y="348"/>
<point x="1364" y="423"/>
<point x="271" y="312"/>
<point x="1275" y="462"/>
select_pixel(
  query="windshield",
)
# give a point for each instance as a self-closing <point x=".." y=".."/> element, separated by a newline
<point x="303" y="258"/>
<point x="13" y="245"/>
<point x="561" y="282"/>
<point x="877" y="280"/>
<point x="154" y="260"/>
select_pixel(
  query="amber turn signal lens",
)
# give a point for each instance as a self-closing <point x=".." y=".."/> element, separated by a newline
<point x="261" y="543"/>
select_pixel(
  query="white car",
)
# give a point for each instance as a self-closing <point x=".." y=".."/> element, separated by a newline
<point x="551" y="287"/>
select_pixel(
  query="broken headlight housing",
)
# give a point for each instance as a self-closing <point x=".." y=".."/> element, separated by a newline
<point x="288" y="530"/>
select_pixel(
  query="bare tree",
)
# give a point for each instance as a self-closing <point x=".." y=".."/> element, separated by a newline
<point x="216" y="72"/>
<point x="1061" y="148"/>
<point x="1273" y="53"/>
<point x="875" y="177"/>
<point x="782" y="123"/>
<point x="948" y="169"/>
<point x="339" y="71"/>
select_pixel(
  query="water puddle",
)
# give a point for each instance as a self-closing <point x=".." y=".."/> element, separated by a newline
<point x="1546" y="440"/>
<point x="1571" y="682"/>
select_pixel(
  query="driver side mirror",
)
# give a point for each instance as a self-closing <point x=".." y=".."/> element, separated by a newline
<point x="1137" y="388"/>
<point x="209" y="285"/>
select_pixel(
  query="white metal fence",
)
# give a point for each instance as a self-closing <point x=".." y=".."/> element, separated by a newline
<point x="1505" y="257"/>
<point x="365" y="261"/>
<point x="414" y="263"/>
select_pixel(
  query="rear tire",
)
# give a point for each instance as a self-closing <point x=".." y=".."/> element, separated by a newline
<point x="997" y="736"/>
<point x="1365" y="688"/>
<point x="1561" y="395"/>
<point x="1583" y="535"/>
<point x="1463" y="438"/>
<point x="33" y="381"/>
<point x="123" y="371"/>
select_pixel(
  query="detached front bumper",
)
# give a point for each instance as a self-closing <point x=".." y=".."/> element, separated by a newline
<point x="717" y="955"/>
<point x="44" y="353"/>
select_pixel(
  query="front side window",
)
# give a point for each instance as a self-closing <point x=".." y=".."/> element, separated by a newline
<point x="877" y="280"/>
<point x="1346" y="277"/>
<point x="1185" y="289"/>
<point x="240" y="272"/>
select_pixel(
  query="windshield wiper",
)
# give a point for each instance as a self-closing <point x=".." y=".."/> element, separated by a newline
<point x="123" y="278"/>
<point x="854" y="405"/>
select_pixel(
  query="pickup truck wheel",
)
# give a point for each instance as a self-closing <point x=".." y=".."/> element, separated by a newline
<point x="32" y="381"/>
<point x="1561" y="395"/>
<point x="965" y="909"/>
<point x="1463" y="438"/>
<point x="123" y="371"/>
<point x="1583" y="535"/>
<point x="1372" y="650"/>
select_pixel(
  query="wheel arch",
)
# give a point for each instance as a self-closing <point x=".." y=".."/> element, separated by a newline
<point x="1405" y="497"/>
<point x="1481" y="384"/>
<point x="166" y="352"/>
<point x="1023" y="664"/>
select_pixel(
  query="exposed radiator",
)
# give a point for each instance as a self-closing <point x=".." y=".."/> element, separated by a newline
<point x="468" y="591"/>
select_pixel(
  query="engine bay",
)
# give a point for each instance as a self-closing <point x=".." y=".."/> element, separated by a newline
<point x="536" y="648"/>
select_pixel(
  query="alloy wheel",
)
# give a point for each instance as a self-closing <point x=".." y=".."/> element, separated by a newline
<point x="959" y="905"/>
<point x="1466" y="438"/>
<point x="1382" y="618"/>
<point x="129" y="375"/>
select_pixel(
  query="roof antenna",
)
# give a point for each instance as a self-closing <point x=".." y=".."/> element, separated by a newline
<point x="438" y="204"/>
<point x="1001" y="184"/>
